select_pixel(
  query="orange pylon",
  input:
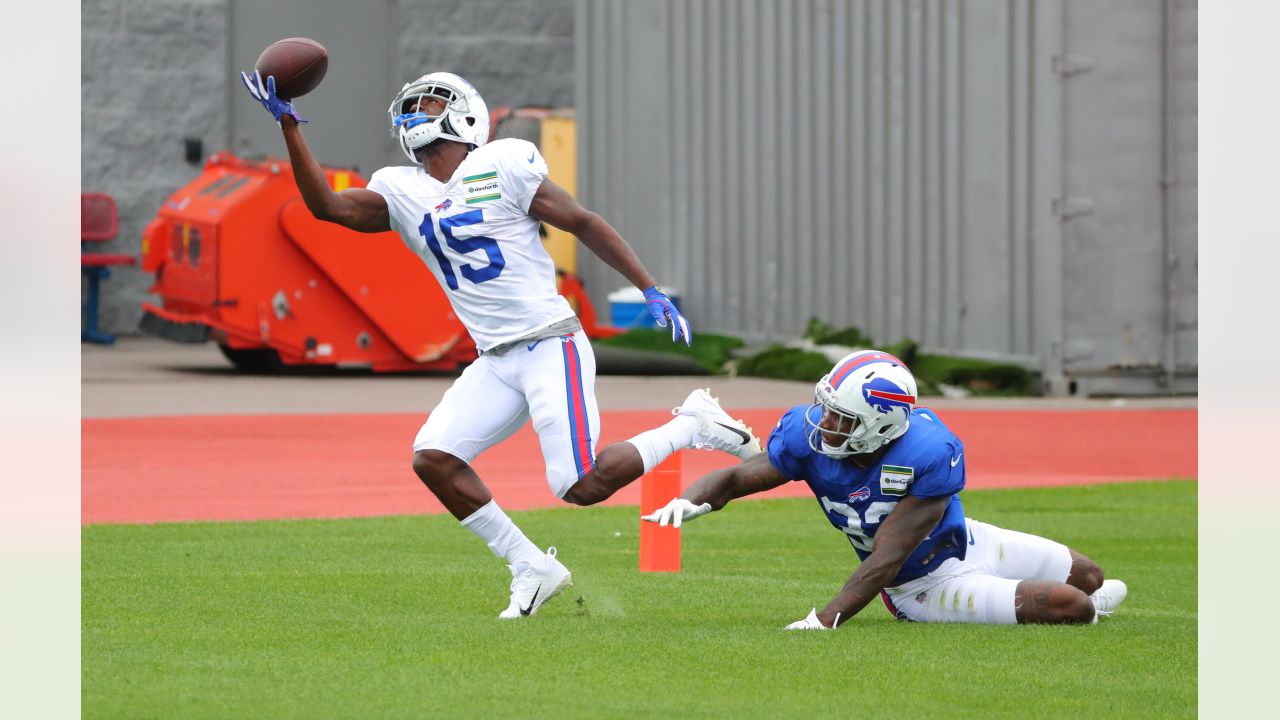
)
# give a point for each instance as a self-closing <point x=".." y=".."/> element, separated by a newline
<point x="659" y="546"/>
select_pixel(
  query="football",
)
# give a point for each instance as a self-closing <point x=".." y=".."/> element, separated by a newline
<point x="298" y="65"/>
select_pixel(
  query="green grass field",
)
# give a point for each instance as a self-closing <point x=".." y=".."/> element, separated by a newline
<point x="395" y="617"/>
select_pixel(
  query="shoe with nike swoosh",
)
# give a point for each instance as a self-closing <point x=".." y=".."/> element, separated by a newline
<point x="716" y="430"/>
<point x="532" y="584"/>
<point x="1108" y="597"/>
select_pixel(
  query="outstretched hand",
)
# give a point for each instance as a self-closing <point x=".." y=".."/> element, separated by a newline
<point x="810" y="622"/>
<point x="664" y="311"/>
<point x="676" y="511"/>
<point x="265" y="93"/>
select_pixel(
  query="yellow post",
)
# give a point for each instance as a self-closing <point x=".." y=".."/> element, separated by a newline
<point x="559" y="147"/>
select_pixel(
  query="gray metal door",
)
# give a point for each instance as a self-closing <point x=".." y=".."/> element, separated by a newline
<point x="347" y="113"/>
<point x="1129" y="247"/>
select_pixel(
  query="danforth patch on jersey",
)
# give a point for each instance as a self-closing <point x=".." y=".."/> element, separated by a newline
<point x="482" y="187"/>
<point x="895" y="479"/>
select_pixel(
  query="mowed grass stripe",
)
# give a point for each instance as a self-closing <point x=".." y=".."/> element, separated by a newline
<point x="395" y="617"/>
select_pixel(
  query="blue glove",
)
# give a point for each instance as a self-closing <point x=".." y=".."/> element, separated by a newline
<point x="662" y="310"/>
<point x="266" y="94"/>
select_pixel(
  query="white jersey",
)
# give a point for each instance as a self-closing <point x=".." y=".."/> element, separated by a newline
<point x="476" y="235"/>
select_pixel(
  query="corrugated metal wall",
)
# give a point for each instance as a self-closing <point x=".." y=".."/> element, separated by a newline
<point x="900" y="165"/>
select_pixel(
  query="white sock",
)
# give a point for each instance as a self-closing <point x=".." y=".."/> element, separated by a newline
<point x="656" y="444"/>
<point x="503" y="537"/>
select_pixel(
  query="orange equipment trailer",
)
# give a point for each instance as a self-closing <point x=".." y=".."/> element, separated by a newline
<point x="240" y="260"/>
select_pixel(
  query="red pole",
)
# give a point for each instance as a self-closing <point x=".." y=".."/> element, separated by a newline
<point x="659" y="546"/>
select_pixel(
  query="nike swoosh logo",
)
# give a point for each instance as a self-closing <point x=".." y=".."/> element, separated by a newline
<point x="745" y="437"/>
<point x="956" y="459"/>
<point x="533" y="345"/>
<point x="531" y="157"/>
<point x="970" y="536"/>
<point x="532" y="600"/>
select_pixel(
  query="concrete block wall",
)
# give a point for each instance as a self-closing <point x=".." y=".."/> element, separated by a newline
<point x="154" y="72"/>
<point x="151" y="73"/>
<point x="516" y="52"/>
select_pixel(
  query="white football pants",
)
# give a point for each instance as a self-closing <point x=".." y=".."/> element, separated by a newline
<point x="981" y="588"/>
<point x="552" y="381"/>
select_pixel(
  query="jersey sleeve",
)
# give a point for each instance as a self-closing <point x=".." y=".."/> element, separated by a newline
<point x="383" y="183"/>
<point x="787" y="448"/>
<point x="522" y="170"/>
<point x="379" y="183"/>
<point x="943" y="472"/>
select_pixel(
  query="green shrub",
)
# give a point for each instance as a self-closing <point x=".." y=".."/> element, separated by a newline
<point x="784" y="363"/>
<point x="823" y="334"/>
<point x="853" y="337"/>
<point x="710" y="351"/>
<point x="904" y="350"/>
<point x="980" y="377"/>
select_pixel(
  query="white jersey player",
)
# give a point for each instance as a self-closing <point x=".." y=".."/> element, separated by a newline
<point x="471" y="210"/>
<point x="475" y="233"/>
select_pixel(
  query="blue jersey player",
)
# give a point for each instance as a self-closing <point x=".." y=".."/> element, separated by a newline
<point x="888" y="475"/>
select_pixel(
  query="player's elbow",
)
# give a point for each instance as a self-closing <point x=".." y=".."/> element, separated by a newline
<point x="585" y="225"/>
<point x="335" y="211"/>
<point x="321" y="209"/>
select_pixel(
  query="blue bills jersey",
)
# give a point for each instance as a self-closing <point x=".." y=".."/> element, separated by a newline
<point x="926" y="462"/>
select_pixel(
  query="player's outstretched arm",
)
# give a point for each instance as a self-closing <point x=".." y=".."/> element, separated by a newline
<point x="554" y="205"/>
<point x="355" y="208"/>
<point x="358" y="209"/>
<point x="714" y="490"/>
<point x="900" y="534"/>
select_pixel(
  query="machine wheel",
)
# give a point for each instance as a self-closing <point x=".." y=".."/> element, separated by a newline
<point x="253" y="360"/>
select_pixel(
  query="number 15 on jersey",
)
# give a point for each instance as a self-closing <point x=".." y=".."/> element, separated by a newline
<point x="475" y="243"/>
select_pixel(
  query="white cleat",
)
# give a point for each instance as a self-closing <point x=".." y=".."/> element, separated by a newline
<point x="716" y="430"/>
<point x="1108" y="597"/>
<point x="532" y="584"/>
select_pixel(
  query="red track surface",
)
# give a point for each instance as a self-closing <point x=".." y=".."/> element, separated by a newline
<point x="257" y="467"/>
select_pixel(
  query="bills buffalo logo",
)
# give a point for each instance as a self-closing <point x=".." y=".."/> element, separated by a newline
<point x="444" y="205"/>
<point x="885" y="395"/>
<point x="861" y="493"/>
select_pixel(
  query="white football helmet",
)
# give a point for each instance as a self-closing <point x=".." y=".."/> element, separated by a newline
<point x="465" y="118"/>
<point x="871" y="391"/>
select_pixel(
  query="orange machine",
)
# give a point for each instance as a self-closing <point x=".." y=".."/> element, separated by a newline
<point x="240" y="260"/>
